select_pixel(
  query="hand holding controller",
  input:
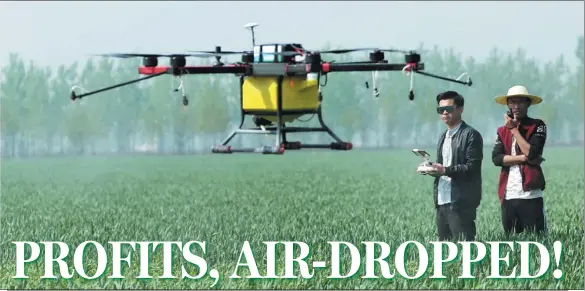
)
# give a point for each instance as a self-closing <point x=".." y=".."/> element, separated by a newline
<point x="425" y="167"/>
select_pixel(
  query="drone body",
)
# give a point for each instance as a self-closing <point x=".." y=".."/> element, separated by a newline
<point x="276" y="87"/>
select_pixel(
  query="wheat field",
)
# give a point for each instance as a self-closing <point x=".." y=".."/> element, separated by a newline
<point x="313" y="197"/>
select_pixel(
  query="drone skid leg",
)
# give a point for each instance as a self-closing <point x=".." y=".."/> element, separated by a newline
<point x="283" y="144"/>
<point x="226" y="149"/>
<point x="338" y="144"/>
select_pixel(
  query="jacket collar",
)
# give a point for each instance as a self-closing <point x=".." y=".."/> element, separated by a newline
<point x="453" y="131"/>
<point x="462" y="125"/>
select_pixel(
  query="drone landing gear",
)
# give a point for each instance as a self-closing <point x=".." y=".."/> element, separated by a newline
<point x="338" y="144"/>
<point x="280" y="131"/>
<point x="281" y="143"/>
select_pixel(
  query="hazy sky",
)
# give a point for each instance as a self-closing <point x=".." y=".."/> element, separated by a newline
<point x="63" y="32"/>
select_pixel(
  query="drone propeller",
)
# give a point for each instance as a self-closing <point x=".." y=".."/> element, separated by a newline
<point x="133" y="55"/>
<point x="344" y="51"/>
<point x="300" y="51"/>
<point x="224" y="53"/>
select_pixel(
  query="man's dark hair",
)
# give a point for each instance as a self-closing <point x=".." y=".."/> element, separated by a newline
<point x="458" y="99"/>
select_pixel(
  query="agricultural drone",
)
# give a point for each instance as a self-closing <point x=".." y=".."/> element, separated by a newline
<point x="279" y="82"/>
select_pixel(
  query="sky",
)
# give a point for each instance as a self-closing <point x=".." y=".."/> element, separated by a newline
<point x="54" y="33"/>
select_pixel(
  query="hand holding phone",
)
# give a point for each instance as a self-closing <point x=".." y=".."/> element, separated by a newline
<point x="510" y="123"/>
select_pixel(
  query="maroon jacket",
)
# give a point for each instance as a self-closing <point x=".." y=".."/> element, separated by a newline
<point x="534" y="132"/>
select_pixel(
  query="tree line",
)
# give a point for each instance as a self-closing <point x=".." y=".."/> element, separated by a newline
<point x="38" y="118"/>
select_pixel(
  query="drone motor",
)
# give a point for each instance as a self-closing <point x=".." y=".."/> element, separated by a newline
<point x="150" y="61"/>
<point x="247" y="58"/>
<point x="178" y="61"/>
<point x="412" y="58"/>
<point x="314" y="61"/>
<point x="218" y="56"/>
<point x="376" y="56"/>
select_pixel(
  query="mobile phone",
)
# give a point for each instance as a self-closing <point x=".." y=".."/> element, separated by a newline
<point x="509" y="113"/>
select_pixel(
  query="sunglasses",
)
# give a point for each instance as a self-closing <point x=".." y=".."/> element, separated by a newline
<point x="442" y="109"/>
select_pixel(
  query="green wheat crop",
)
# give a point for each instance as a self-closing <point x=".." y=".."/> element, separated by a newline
<point x="228" y="199"/>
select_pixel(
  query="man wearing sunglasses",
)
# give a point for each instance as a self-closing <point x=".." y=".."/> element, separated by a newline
<point x="518" y="151"/>
<point x="457" y="185"/>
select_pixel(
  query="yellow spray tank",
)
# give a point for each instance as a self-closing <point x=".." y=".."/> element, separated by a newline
<point x="298" y="93"/>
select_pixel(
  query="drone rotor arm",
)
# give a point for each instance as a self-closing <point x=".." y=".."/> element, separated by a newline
<point x="364" y="67"/>
<point x="75" y="96"/>
<point x="411" y="66"/>
<point x="468" y="82"/>
<point x="194" y="70"/>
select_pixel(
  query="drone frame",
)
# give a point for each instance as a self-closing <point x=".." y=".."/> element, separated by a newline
<point x="313" y="64"/>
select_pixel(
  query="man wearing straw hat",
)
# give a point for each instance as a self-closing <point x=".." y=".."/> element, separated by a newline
<point x="518" y="151"/>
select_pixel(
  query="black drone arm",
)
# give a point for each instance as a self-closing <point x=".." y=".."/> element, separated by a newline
<point x="367" y="67"/>
<point x="152" y="72"/>
<point x="362" y="67"/>
<point x="192" y="70"/>
<point x="75" y="96"/>
<point x="410" y="67"/>
<point x="468" y="82"/>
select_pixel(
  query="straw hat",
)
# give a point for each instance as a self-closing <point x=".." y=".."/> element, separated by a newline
<point x="517" y="91"/>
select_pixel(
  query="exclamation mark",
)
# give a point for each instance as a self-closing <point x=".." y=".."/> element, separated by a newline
<point x="557" y="248"/>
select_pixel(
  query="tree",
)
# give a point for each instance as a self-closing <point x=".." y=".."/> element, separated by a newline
<point x="13" y="88"/>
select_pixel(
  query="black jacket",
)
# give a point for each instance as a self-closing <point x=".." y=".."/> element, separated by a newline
<point x="465" y="169"/>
